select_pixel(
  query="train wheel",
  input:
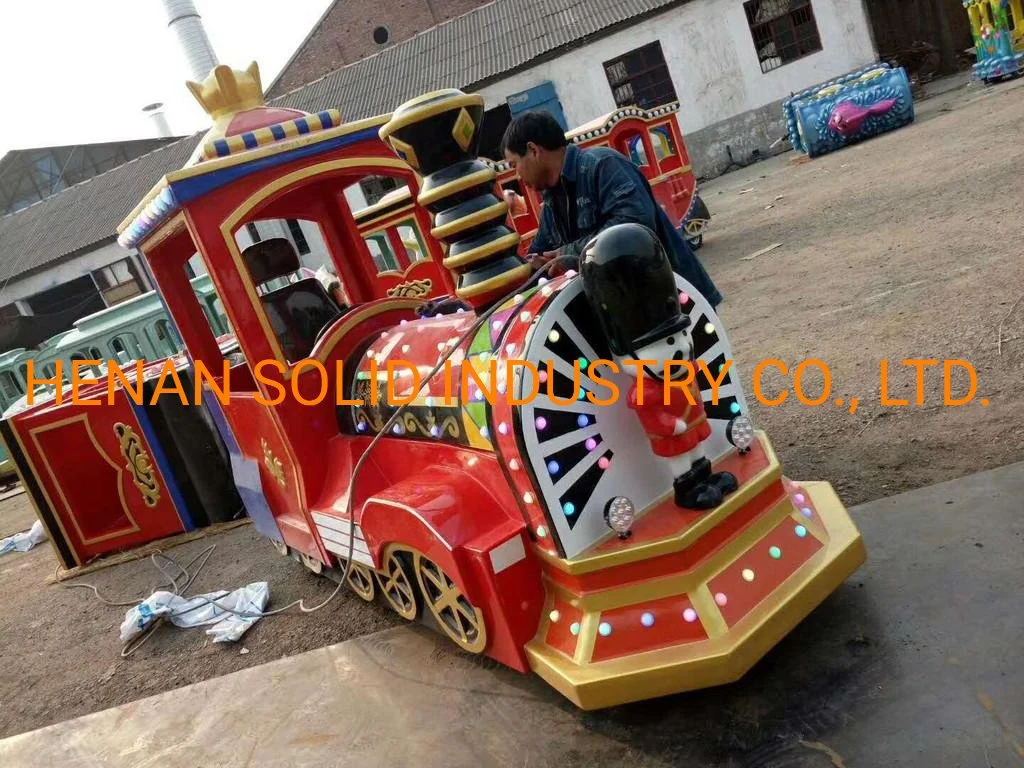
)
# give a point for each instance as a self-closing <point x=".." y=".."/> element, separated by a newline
<point x="461" y="620"/>
<point x="360" y="578"/>
<point x="315" y="565"/>
<point x="396" y="584"/>
<point x="281" y="547"/>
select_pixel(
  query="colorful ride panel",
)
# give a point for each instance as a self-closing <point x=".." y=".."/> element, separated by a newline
<point x="997" y="27"/>
<point x="849" y="109"/>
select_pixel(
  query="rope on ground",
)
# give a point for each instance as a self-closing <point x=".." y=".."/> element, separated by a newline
<point x="1003" y="320"/>
<point x="181" y="590"/>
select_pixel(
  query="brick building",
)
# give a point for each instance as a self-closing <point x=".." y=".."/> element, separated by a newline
<point x="354" y="29"/>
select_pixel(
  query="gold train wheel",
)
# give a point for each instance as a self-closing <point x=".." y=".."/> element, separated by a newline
<point x="315" y="565"/>
<point x="360" y="578"/>
<point x="397" y="587"/>
<point x="461" y="620"/>
<point x="695" y="227"/>
<point x="281" y="547"/>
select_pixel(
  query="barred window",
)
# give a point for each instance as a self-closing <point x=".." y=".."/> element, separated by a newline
<point x="783" y="31"/>
<point x="640" y="78"/>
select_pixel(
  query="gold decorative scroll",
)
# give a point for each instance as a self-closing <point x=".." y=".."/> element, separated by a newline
<point x="272" y="463"/>
<point x="138" y="464"/>
<point x="413" y="289"/>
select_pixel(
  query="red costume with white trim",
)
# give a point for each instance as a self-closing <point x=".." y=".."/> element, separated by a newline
<point x="659" y="419"/>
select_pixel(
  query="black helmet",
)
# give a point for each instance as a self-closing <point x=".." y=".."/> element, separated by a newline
<point x="630" y="285"/>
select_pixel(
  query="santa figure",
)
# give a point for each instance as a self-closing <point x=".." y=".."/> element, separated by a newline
<point x="629" y="283"/>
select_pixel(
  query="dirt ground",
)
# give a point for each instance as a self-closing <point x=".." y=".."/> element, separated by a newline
<point x="903" y="247"/>
<point x="61" y="648"/>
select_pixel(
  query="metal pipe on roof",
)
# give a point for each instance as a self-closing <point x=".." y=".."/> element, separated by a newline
<point x="156" y="111"/>
<point x="187" y="24"/>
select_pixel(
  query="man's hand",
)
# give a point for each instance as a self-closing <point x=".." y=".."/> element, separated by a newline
<point x="538" y="260"/>
<point x="680" y="427"/>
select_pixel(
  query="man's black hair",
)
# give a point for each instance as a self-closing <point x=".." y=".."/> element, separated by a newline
<point x="539" y="127"/>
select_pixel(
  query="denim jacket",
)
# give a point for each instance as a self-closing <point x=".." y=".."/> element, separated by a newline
<point x="609" y="190"/>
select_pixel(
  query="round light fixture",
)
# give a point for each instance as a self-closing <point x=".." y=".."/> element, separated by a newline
<point x="619" y="514"/>
<point x="740" y="432"/>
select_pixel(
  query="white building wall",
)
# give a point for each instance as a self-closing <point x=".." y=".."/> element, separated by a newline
<point x="711" y="58"/>
<point x="65" y="271"/>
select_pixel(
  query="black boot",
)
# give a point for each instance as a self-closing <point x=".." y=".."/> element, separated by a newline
<point x="701" y="496"/>
<point x="688" y="481"/>
<point x="724" y="482"/>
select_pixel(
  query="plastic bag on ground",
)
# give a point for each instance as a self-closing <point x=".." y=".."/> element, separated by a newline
<point x="200" y="610"/>
<point x="24" y="541"/>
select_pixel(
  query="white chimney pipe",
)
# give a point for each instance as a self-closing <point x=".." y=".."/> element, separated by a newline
<point x="156" y="111"/>
<point x="184" y="19"/>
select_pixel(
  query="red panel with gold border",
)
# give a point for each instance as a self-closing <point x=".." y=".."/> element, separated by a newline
<point x="99" y="476"/>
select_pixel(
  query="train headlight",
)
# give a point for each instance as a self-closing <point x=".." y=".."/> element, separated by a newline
<point x="619" y="513"/>
<point x="740" y="432"/>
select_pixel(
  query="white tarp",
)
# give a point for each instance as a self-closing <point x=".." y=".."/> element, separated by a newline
<point x="199" y="610"/>
<point x="24" y="541"/>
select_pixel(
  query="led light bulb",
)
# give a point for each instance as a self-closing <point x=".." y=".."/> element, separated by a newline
<point x="619" y="514"/>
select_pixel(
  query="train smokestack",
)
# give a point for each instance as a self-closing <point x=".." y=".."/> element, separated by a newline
<point x="156" y="112"/>
<point x="187" y="24"/>
<point x="438" y="136"/>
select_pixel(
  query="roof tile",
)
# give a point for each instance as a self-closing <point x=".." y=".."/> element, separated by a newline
<point x="463" y="52"/>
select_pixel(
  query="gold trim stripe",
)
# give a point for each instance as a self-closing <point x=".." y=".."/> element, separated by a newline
<point x="380" y="223"/>
<point x="707" y="610"/>
<point x="420" y="113"/>
<point x="265" y="136"/>
<point x="724" y="659"/>
<point x="456" y="185"/>
<point x="482" y="252"/>
<point x="498" y="281"/>
<point x="495" y="211"/>
<point x="168" y="229"/>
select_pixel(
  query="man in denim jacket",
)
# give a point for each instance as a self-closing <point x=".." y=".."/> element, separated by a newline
<point x="585" y="191"/>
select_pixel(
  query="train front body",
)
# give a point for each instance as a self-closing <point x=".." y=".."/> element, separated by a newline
<point x="489" y="496"/>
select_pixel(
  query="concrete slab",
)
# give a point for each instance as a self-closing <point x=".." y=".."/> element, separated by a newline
<point x="916" y="661"/>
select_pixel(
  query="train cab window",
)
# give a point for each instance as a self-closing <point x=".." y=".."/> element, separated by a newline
<point x="635" y="150"/>
<point x="381" y="252"/>
<point x="85" y="370"/>
<point x="126" y="348"/>
<point x="222" y="316"/>
<point x="300" y="310"/>
<point x="162" y="339"/>
<point x="412" y="241"/>
<point x="9" y="385"/>
<point x="661" y="140"/>
<point x="298" y="236"/>
<point x="95" y="354"/>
